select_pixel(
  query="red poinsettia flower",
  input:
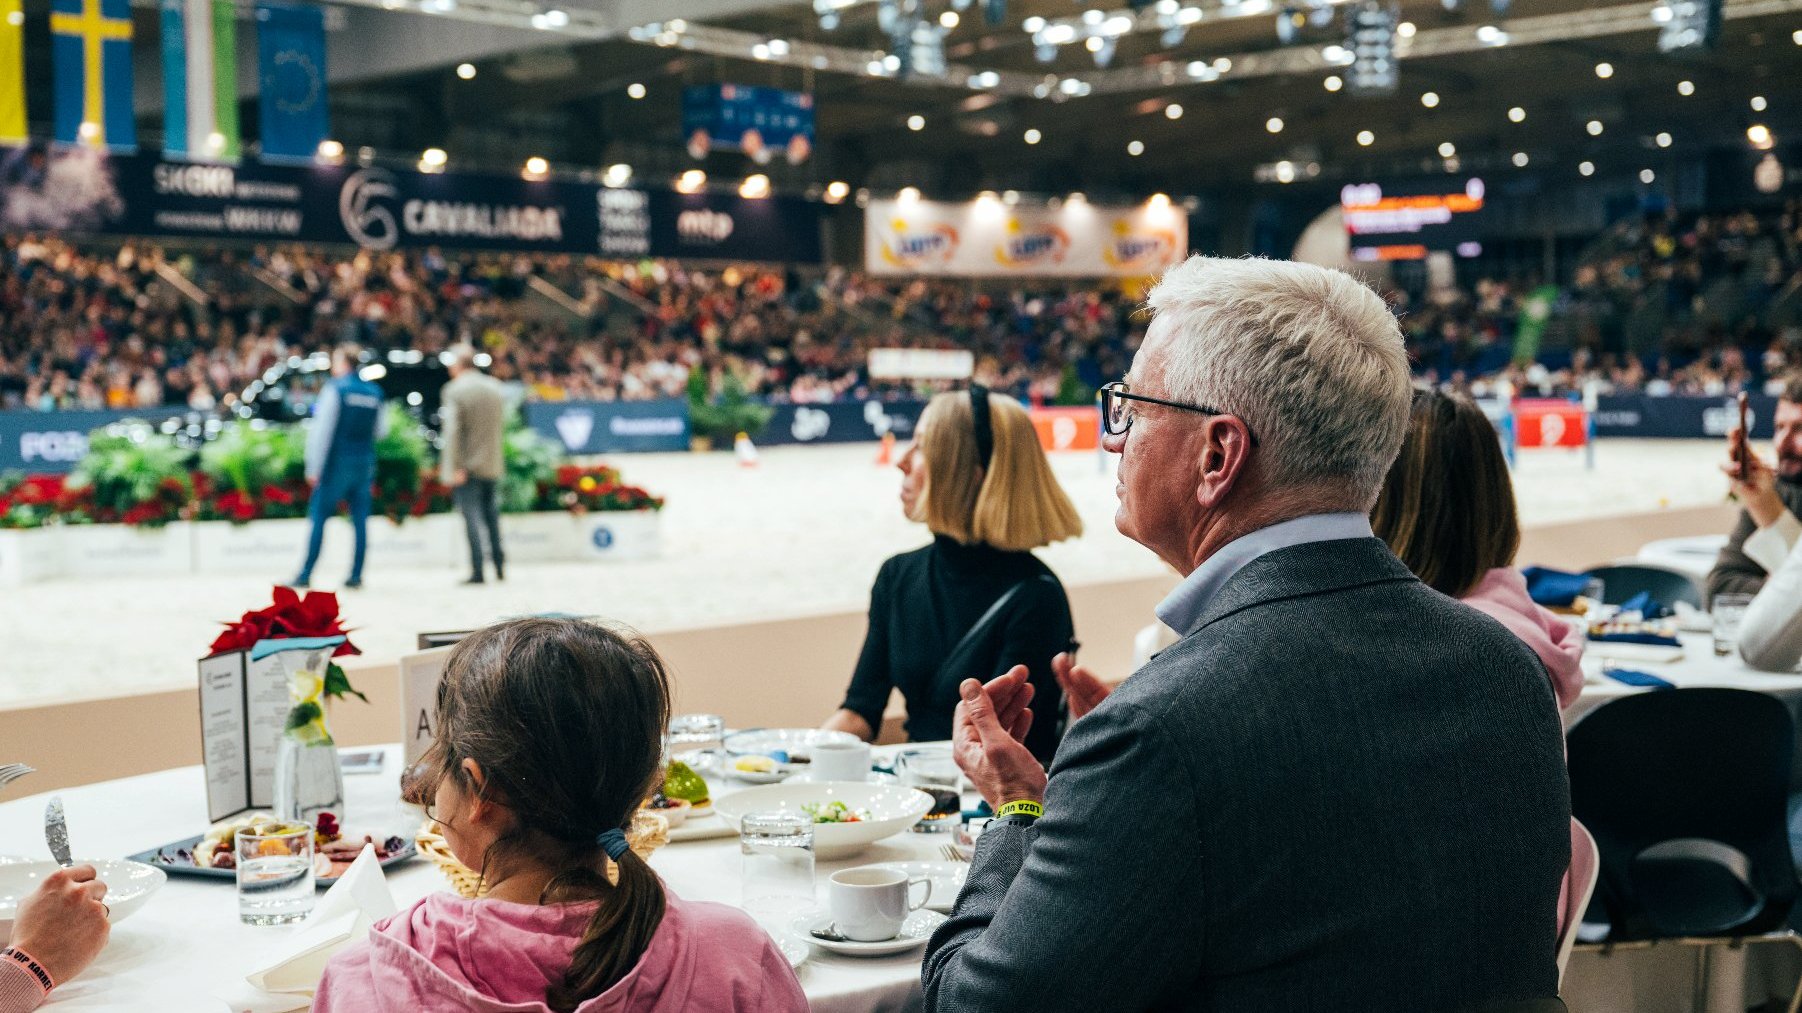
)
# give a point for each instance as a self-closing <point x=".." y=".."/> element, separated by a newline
<point x="291" y="615"/>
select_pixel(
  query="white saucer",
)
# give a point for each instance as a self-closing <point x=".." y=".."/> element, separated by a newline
<point x="914" y="932"/>
<point x="947" y="880"/>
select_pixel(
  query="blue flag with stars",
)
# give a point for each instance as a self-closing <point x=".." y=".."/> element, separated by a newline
<point x="291" y="58"/>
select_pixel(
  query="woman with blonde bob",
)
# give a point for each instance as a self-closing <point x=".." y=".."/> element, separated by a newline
<point x="975" y="602"/>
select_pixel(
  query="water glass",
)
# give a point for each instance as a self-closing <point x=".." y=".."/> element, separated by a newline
<point x="696" y="739"/>
<point x="778" y="868"/>
<point x="935" y="772"/>
<point x="275" y="873"/>
<point x="1597" y="592"/>
<point x="1728" y="612"/>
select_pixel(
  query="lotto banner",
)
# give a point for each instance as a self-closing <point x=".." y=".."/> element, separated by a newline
<point x="986" y="238"/>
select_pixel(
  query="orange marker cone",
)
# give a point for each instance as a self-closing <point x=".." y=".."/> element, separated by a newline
<point x="885" y="455"/>
<point x="746" y="451"/>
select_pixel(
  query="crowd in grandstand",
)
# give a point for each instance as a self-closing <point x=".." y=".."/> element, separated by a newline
<point x="1663" y="305"/>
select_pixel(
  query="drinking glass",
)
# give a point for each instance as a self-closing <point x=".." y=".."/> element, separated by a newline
<point x="1728" y="612"/>
<point x="696" y="739"/>
<point x="1596" y="590"/>
<point x="778" y="868"/>
<point x="275" y="873"/>
<point x="935" y="772"/>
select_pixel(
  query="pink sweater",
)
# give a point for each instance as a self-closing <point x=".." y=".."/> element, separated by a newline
<point x="483" y="956"/>
<point x="1502" y="595"/>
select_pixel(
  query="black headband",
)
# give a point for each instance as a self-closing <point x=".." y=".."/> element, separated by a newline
<point x="979" y="419"/>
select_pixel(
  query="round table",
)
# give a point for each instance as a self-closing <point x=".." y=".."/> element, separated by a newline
<point x="1659" y="980"/>
<point x="186" y="947"/>
<point x="1692" y="554"/>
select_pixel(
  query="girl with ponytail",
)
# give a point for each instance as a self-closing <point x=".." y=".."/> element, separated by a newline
<point x="548" y="736"/>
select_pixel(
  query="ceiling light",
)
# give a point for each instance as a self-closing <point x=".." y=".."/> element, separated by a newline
<point x="1490" y="35"/>
<point x="1796" y="36"/>
<point x="1334" y="82"/>
<point x="891" y="63"/>
<point x="1033" y="25"/>
<point x="433" y="156"/>
<point x="1119" y="24"/>
<point x="1604" y="70"/>
<point x="1647" y="175"/>
<point x="1010" y="197"/>
<point x="755" y="186"/>
<point x="1663" y="140"/>
<point x="1405" y="29"/>
<point x="1517" y="114"/>
<point x="1222" y="65"/>
<point x="537" y="166"/>
<point x="1093" y="44"/>
<point x="1033" y="135"/>
<point x="908" y="194"/>
<point x="1430" y="99"/>
<point x="1158" y="202"/>
<point x="1058" y="35"/>
<point x="1686" y="88"/>
<point x="1093" y="17"/>
<point x="916" y="122"/>
<point x="1135" y="148"/>
<point x="1586" y="168"/>
<point x="1760" y="136"/>
<point x="330" y="150"/>
<point x="1173" y="111"/>
<point x="1758" y="103"/>
<point x="635" y="90"/>
<point x="778" y="47"/>
<point x="1285" y="172"/>
<point x="1274" y="124"/>
<point x="948" y="20"/>
<point x="760" y="51"/>
<point x="691" y="181"/>
<point x="1520" y="160"/>
<point x="617" y="174"/>
<point x="466" y="71"/>
<point x="837" y="190"/>
<point x="1366" y="138"/>
<point x="1594" y="127"/>
<point x="1447" y="149"/>
<point x="1078" y="198"/>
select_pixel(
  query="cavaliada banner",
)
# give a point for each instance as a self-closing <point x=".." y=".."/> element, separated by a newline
<point x="378" y="208"/>
<point x="986" y="238"/>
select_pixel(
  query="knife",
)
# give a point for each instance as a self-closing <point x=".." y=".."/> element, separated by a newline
<point x="56" y="832"/>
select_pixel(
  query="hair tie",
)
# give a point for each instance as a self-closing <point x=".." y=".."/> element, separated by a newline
<point x="613" y="842"/>
<point x="979" y="420"/>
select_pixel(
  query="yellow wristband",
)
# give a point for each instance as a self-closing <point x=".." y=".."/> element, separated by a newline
<point x="1020" y="808"/>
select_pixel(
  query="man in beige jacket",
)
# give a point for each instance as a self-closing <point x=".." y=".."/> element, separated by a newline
<point x="474" y="415"/>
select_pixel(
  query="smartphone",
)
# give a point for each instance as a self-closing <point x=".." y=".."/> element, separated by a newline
<point x="361" y="761"/>
<point x="1742" y="444"/>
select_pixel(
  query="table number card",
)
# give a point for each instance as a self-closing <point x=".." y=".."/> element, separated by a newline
<point x="419" y="675"/>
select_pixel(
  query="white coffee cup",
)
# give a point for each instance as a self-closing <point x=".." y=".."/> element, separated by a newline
<point x="869" y="904"/>
<point x="841" y="761"/>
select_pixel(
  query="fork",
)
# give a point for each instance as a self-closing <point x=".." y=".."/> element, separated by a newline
<point x="953" y="853"/>
<point x="11" y="772"/>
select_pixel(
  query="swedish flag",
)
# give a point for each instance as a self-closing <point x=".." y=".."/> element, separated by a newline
<point x="91" y="47"/>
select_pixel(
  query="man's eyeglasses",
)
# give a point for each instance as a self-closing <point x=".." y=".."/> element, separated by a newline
<point x="1117" y="411"/>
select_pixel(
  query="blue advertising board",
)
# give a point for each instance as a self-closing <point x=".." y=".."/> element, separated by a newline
<point x="757" y="121"/>
<point x="840" y="422"/>
<point x="51" y="443"/>
<point x="612" y="427"/>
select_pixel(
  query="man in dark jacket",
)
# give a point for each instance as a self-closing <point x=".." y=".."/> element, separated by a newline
<point x="1769" y="524"/>
<point x="347" y="421"/>
<point x="1340" y="790"/>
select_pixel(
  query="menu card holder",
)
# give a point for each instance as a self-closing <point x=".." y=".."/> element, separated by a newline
<point x="244" y="706"/>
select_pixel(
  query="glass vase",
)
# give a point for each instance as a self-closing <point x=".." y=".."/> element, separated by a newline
<point x="308" y="780"/>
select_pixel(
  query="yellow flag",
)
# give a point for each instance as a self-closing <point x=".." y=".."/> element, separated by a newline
<point x="12" y="72"/>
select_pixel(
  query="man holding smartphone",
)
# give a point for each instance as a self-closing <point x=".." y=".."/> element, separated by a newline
<point x="1771" y="523"/>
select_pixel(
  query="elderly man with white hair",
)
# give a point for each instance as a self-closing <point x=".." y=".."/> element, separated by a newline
<point x="1340" y="790"/>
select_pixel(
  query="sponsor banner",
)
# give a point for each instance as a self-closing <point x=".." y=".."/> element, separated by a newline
<point x="1681" y="417"/>
<point x="1406" y="221"/>
<point x="1067" y="428"/>
<point x="841" y="422"/>
<point x="1549" y="423"/>
<point x="611" y="427"/>
<point x="380" y="209"/>
<point x="718" y="226"/>
<point x="50" y="443"/>
<point x="985" y="238"/>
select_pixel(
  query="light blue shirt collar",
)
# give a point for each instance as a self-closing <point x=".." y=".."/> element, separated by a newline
<point x="1192" y="597"/>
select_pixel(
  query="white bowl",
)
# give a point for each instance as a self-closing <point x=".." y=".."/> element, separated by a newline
<point x="892" y="810"/>
<point x="128" y="885"/>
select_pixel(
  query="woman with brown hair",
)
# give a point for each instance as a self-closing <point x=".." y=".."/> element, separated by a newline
<point x="1447" y="510"/>
<point x="549" y="733"/>
<point x="976" y="602"/>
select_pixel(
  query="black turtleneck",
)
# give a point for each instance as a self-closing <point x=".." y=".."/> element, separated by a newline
<point x="925" y="601"/>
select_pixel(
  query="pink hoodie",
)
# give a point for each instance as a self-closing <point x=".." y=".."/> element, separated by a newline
<point x="484" y="956"/>
<point x="1502" y="595"/>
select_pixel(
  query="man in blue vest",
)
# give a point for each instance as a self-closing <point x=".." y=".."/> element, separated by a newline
<point x="347" y="420"/>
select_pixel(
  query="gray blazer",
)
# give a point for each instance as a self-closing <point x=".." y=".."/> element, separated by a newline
<point x="1341" y="790"/>
<point x="474" y="414"/>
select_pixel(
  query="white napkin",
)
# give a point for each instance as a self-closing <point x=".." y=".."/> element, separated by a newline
<point x="358" y="900"/>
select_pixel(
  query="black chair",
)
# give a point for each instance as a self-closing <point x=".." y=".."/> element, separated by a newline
<point x="1685" y="793"/>
<point x="1621" y="582"/>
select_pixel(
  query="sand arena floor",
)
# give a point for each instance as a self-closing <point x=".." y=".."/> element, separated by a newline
<point x="801" y="534"/>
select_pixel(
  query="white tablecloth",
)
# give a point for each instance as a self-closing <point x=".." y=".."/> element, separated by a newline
<point x="1692" y="554"/>
<point x="1660" y="980"/>
<point x="186" y="943"/>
